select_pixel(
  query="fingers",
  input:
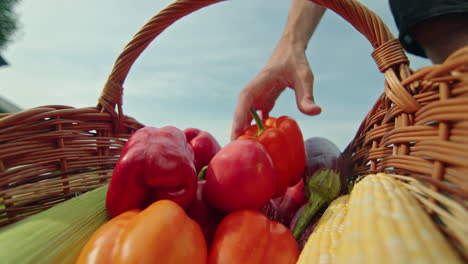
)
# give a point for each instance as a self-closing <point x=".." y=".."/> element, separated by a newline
<point x="303" y="87"/>
<point x="257" y="94"/>
<point x="262" y="92"/>
<point x="242" y="117"/>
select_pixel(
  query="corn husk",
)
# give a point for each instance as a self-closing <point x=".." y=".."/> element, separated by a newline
<point x="55" y="235"/>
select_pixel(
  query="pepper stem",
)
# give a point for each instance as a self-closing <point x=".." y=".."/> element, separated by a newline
<point x="201" y="174"/>
<point x="258" y="121"/>
<point x="324" y="186"/>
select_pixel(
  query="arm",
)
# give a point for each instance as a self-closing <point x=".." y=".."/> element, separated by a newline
<point x="287" y="67"/>
<point x="304" y="17"/>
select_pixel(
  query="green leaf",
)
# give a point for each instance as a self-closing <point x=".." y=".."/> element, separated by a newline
<point x="57" y="234"/>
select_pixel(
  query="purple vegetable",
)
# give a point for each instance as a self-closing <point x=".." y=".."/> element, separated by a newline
<point x="322" y="154"/>
<point x="302" y="239"/>
<point x="270" y="211"/>
<point x="283" y="209"/>
<point x="324" y="179"/>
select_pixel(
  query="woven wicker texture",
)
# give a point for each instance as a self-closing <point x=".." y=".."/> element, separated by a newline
<point x="419" y="126"/>
<point x="52" y="153"/>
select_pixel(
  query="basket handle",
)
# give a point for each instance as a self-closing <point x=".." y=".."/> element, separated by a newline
<point x="388" y="52"/>
<point x="362" y="18"/>
<point x="112" y="92"/>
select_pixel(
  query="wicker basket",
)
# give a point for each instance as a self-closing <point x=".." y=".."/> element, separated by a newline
<point x="418" y="128"/>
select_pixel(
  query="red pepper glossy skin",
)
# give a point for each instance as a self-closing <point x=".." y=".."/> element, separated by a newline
<point x="155" y="164"/>
<point x="283" y="140"/>
<point x="204" y="146"/>
<point x="247" y="236"/>
<point x="240" y="177"/>
<point x="204" y="214"/>
<point x="293" y="194"/>
<point x="283" y="209"/>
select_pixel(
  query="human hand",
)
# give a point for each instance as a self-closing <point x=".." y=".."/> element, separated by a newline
<point x="287" y="67"/>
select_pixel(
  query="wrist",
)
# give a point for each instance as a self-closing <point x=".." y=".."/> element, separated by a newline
<point x="294" y="40"/>
<point x="303" y="18"/>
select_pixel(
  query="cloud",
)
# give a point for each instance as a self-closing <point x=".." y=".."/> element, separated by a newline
<point x="192" y="73"/>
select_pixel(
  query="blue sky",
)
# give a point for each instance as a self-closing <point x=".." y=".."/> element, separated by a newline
<point x="191" y="74"/>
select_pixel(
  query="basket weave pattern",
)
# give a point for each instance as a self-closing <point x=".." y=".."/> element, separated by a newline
<point x="417" y="128"/>
<point x="52" y="153"/>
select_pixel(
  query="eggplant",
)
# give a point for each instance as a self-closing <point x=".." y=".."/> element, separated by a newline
<point x="302" y="239"/>
<point x="323" y="154"/>
<point x="324" y="179"/>
<point x="283" y="209"/>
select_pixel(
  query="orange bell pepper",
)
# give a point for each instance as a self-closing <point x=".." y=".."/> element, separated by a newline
<point x="282" y="138"/>
<point x="248" y="236"/>
<point x="162" y="233"/>
<point x="101" y="247"/>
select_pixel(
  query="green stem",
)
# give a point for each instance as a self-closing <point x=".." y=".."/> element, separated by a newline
<point x="258" y="121"/>
<point x="201" y="174"/>
<point x="313" y="205"/>
<point x="324" y="186"/>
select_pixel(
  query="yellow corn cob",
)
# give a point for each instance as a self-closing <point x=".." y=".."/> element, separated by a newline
<point x="386" y="224"/>
<point x="320" y="247"/>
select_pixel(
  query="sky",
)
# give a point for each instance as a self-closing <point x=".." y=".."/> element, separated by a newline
<point x="190" y="75"/>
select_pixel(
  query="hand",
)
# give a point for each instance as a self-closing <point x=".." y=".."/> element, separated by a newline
<point x="287" y="67"/>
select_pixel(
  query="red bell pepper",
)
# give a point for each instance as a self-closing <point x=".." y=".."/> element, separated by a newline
<point x="282" y="138"/>
<point x="239" y="177"/>
<point x="204" y="214"/>
<point x="248" y="236"/>
<point x="283" y="209"/>
<point x="155" y="164"/>
<point x="204" y="146"/>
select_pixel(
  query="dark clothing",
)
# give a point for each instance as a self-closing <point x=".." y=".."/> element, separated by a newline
<point x="408" y="13"/>
<point x="3" y="62"/>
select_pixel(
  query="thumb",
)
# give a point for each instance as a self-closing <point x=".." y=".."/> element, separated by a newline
<point x="304" y="86"/>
